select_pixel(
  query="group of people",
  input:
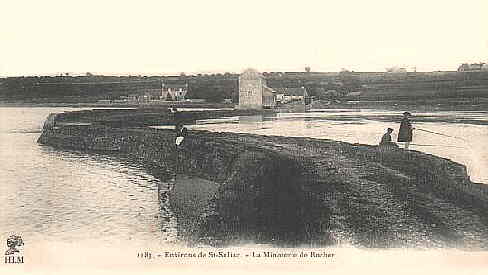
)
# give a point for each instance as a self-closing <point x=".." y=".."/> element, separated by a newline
<point x="405" y="133"/>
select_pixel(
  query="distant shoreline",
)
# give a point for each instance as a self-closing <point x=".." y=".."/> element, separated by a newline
<point x="440" y="104"/>
<point x="104" y="105"/>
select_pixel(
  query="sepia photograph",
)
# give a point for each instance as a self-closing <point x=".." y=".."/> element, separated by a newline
<point x="281" y="137"/>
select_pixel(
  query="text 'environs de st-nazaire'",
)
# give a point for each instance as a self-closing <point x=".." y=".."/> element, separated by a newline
<point x="251" y="254"/>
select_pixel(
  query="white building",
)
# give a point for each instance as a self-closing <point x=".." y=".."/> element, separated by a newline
<point x="253" y="92"/>
<point x="472" y="67"/>
<point x="286" y="95"/>
<point x="174" y="92"/>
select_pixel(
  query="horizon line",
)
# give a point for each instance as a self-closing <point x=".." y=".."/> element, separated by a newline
<point x="139" y="74"/>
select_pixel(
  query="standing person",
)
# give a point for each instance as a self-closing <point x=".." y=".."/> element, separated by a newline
<point x="405" y="133"/>
<point x="181" y="133"/>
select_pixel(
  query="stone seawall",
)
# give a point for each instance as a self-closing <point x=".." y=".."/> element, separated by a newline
<point x="295" y="191"/>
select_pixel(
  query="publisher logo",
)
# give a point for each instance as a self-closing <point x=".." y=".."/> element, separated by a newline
<point x="13" y="255"/>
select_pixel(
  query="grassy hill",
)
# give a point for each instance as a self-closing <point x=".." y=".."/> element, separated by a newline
<point x="217" y="87"/>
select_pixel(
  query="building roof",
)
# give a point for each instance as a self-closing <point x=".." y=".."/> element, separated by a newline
<point x="250" y="74"/>
<point x="268" y="90"/>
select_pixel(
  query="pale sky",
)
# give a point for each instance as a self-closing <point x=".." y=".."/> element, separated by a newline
<point x="154" y="37"/>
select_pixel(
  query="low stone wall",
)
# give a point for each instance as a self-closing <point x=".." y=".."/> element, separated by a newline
<point x="295" y="191"/>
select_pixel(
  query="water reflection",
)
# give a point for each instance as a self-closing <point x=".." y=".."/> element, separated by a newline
<point x="69" y="196"/>
<point x="367" y="127"/>
<point x="75" y="197"/>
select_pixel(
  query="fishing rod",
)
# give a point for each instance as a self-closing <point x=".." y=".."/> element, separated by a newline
<point x="432" y="145"/>
<point x="441" y="134"/>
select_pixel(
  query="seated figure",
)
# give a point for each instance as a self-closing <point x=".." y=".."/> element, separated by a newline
<point x="386" y="139"/>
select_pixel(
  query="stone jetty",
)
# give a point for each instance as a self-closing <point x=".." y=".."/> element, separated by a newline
<point x="291" y="191"/>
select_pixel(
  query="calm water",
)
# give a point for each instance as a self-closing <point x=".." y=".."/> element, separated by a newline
<point x="48" y="194"/>
<point x="468" y="144"/>
<point x="69" y="196"/>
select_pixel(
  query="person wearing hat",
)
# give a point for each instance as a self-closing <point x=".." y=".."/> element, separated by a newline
<point x="405" y="133"/>
<point x="386" y="139"/>
<point x="181" y="133"/>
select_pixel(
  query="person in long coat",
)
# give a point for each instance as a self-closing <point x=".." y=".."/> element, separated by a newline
<point x="405" y="134"/>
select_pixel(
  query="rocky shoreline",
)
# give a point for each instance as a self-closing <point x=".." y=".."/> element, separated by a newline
<point x="292" y="191"/>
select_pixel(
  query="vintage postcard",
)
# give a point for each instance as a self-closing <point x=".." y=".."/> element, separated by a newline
<point x="178" y="137"/>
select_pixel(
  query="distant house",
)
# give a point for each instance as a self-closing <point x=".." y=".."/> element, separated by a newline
<point x="144" y="95"/>
<point x="134" y="97"/>
<point x="151" y="94"/>
<point x="143" y="91"/>
<point x="280" y="98"/>
<point x="396" y="70"/>
<point x="286" y="95"/>
<point x="353" y="94"/>
<point x="472" y="67"/>
<point x="176" y="92"/>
